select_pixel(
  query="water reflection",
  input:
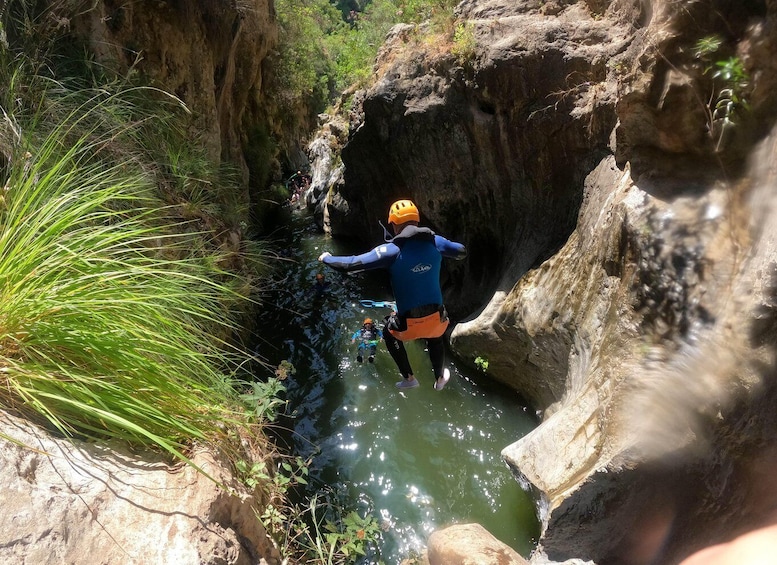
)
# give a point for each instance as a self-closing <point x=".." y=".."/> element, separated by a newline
<point x="418" y="459"/>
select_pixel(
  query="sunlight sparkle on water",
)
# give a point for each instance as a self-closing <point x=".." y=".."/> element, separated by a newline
<point x="493" y="500"/>
<point x="415" y="496"/>
<point x="387" y="485"/>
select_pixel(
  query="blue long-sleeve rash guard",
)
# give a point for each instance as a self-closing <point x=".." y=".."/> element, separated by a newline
<point x="413" y="260"/>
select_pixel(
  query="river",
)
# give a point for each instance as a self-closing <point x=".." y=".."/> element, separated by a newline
<point x="417" y="460"/>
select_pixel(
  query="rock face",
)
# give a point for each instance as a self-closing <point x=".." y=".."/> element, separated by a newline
<point x="327" y="170"/>
<point x="493" y="146"/>
<point x="209" y="54"/>
<point x="82" y="503"/>
<point x="618" y="205"/>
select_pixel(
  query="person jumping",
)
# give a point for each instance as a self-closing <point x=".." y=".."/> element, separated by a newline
<point x="413" y="258"/>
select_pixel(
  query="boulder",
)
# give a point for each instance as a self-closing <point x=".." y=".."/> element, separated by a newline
<point x="469" y="544"/>
<point x="77" y="502"/>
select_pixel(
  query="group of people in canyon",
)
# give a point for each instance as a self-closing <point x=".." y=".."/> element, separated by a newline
<point x="297" y="184"/>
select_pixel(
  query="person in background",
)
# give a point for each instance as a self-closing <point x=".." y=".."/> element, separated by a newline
<point x="368" y="337"/>
<point x="321" y="286"/>
<point x="413" y="257"/>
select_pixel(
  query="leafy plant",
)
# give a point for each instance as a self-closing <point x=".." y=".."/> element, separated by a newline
<point x="353" y="535"/>
<point x="278" y="515"/>
<point x="339" y="539"/>
<point x="464" y="43"/>
<point x="287" y="475"/>
<point x="253" y="475"/>
<point x="731" y="82"/>
<point x="321" y="531"/>
<point x="707" y="46"/>
<point x="285" y="370"/>
<point x="263" y="402"/>
<point x="481" y="363"/>
<point x="732" y="72"/>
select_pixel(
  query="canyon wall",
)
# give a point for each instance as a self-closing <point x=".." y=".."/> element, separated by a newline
<point x="78" y="502"/>
<point x="208" y="54"/>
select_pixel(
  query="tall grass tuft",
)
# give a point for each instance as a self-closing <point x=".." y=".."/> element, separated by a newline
<point x="107" y="318"/>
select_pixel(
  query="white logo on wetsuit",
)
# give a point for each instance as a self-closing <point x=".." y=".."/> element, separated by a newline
<point x="421" y="268"/>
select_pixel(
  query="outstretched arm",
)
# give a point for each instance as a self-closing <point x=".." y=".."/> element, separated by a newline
<point x="379" y="258"/>
<point x="450" y="249"/>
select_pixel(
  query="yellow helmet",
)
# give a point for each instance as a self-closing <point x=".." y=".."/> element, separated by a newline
<point x="403" y="211"/>
<point x="367" y="321"/>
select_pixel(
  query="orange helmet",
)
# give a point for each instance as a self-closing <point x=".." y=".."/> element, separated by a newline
<point x="367" y="321"/>
<point x="403" y="211"/>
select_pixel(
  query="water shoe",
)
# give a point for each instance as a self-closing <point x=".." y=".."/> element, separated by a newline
<point x="440" y="383"/>
<point x="407" y="383"/>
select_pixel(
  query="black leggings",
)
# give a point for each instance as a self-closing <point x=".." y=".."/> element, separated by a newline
<point x="396" y="349"/>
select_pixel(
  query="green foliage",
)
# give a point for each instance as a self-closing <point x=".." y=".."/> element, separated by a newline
<point x="321" y="54"/>
<point x="277" y="515"/>
<point x="303" y="67"/>
<point x="114" y="306"/>
<point x="252" y="475"/>
<point x="707" y="46"/>
<point x="285" y="370"/>
<point x="321" y="532"/>
<point x="352" y="55"/>
<point x="732" y="72"/>
<point x="263" y="401"/>
<point x="731" y="83"/>
<point x="352" y="535"/>
<point x="730" y="100"/>
<point x="331" y="536"/>
<point x="481" y="363"/>
<point x="105" y="318"/>
<point x="464" y="43"/>
<point x="417" y="11"/>
<point x="255" y="475"/>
